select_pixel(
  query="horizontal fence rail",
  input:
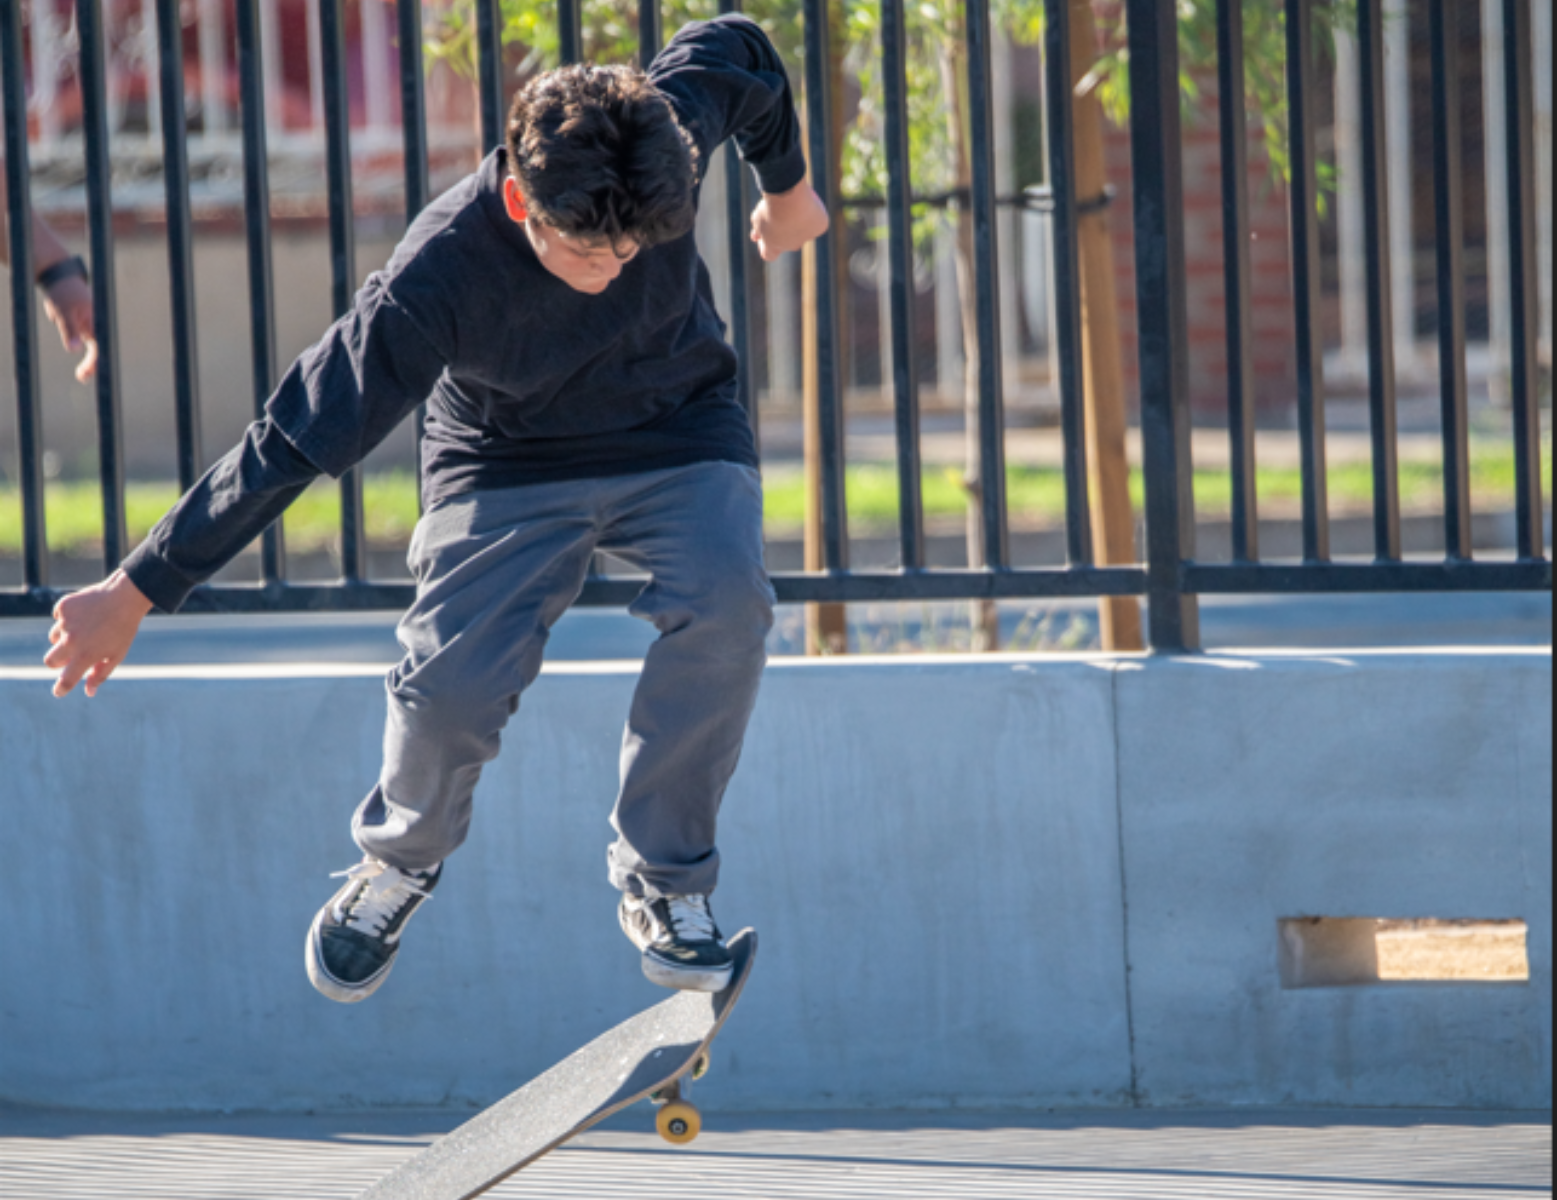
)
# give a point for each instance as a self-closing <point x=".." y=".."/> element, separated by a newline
<point x="1170" y="578"/>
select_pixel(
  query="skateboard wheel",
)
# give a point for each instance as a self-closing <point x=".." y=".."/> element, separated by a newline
<point x="703" y="1065"/>
<point x="679" y="1123"/>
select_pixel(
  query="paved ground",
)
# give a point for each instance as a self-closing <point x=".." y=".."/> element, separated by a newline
<point x="1132" y="1156"/>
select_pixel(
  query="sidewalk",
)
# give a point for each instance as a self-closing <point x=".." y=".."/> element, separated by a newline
<point x="932" y="1156"/>
<point x="870" y="439"/>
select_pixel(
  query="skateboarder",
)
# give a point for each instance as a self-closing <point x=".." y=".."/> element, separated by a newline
<point x="553" y="313"/>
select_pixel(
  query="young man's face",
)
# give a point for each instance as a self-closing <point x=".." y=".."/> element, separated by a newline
<point x="585" y="266"/>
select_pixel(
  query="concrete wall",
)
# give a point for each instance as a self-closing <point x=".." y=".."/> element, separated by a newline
<point x="1000" y="881"/>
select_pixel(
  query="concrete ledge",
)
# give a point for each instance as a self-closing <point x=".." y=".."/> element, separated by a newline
<point x="1350" y="785"/>
<point x="951" y="862"/>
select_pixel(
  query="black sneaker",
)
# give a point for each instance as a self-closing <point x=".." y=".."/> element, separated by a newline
<point x="354" y="939"/>
<point x="682" y="947"/>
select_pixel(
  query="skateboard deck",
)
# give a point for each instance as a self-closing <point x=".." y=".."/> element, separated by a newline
<point x="653" y="1055"/>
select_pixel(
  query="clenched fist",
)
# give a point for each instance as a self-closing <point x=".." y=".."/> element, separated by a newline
<point x="788" y="221"/>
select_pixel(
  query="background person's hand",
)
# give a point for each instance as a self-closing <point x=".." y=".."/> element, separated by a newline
<point x="93" y="630"/>
<point x="788" y="221"/>
<point x="68" y="304"/>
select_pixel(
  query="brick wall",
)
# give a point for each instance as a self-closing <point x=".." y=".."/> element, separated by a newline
<point x="1270" y="264"/>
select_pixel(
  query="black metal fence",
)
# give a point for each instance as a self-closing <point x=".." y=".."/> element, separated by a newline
<point x="1170" y="579"/>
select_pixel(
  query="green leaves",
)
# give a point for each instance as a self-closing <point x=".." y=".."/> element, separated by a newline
<point x="936" y="44"/>
<point x="936" y="33"/>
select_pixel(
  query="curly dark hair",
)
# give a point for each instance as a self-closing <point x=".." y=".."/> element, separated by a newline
<point x="599" y="155"/>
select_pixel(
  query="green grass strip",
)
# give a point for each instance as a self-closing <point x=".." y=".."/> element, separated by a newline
<point x="1035" y="496"/>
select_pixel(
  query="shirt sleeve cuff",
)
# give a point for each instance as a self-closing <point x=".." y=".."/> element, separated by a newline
<point x="160" y="583"/>
<point x="781" y="174"/>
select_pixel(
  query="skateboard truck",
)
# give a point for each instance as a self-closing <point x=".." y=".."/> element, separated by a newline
<point x="679" y="1122"/>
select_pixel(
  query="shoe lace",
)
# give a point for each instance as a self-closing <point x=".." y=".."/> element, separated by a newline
<point x="387" y="890"/>
<point x="688" y="919"/>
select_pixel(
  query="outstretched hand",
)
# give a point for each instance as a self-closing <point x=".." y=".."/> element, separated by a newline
<point x="788" y="221"/>
<point x="93" y="630"/>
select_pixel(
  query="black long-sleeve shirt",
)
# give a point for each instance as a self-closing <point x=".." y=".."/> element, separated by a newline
<point x="525" y="379"/>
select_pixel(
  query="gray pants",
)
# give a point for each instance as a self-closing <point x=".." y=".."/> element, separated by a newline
<point x="494" y="571"/>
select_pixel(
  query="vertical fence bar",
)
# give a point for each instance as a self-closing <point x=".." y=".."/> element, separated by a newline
<point x="100" y="217"/>
<point x="1524" y="302"/>
<point x="343" y="249"/>
<point x="740" y="251"/>
<point x="900" y="251"/>
<point x="649" y="35"/>
<point x="256" y="212"/>
<point x="1067" y="277"/>
<point x="992" y="457"/>
<point x="1380" y="303"/>
<point x="1157" y="154"/>
<point x="1306" y="279"/>
<point x="489" y="39"/>
<point x="413" y="107"/>
<point x="570" y="31"/>
<point x="1237" y="276"/>
<point x="181" y="266"/>
<point x="819" y="102"/>
<point x="413" y="134"/>
<point x="1449" y="235"/>
<point x="24" y="313"/>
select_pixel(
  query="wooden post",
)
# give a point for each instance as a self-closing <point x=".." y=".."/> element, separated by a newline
<point x="827" y="625"/>
<point x="1113" y="523"/>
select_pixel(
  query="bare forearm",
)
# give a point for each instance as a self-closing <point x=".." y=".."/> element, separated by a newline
<point x="47" y="248"/>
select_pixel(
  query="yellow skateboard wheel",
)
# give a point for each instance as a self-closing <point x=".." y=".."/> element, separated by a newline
<point x="679" y="1123"/>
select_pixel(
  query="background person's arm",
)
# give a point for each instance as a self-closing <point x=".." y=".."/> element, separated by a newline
<point x="67" y="299"/>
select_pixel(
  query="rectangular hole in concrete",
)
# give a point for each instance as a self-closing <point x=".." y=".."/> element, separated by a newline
<point x="1323" y="952"/>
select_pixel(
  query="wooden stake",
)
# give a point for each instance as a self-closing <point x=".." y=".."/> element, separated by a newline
<point x="1113" y="522"/>
<point x="827" y="625"/>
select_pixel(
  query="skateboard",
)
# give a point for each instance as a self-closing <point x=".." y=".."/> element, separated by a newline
<point x="653" y="1056"/>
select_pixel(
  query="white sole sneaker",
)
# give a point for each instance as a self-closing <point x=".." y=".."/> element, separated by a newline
<point x="680" y="979"/>
<point x="325" y="983"/>
<point x="646" y="928"/>
<point x="355" y="938"/>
